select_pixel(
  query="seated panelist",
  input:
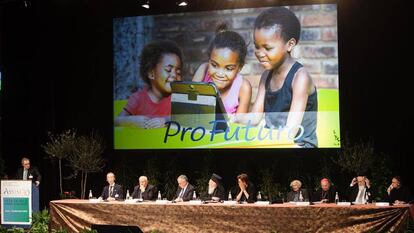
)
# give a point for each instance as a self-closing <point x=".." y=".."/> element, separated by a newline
<point x="144" y="190"/>
<point x="185" y="190"/>
<point x="247" y="191"/>
<point x="112" y="191"/>
<point x="297" y="193"/>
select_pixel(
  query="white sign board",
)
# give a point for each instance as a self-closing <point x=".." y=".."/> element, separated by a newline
<point x="16" y="202"/>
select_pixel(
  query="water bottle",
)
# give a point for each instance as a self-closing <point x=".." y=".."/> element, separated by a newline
<point x="336" y="198"/>
<point x="159" y="195"/>
<point x="229" y="197"/>
<point x="259" y="196"/>
<point x="127" y="195"/>
<point x="367" y="195"/>
<point x="194" y="195"/>
<point x="300" y="196"/>
<point x="90" y="194"/>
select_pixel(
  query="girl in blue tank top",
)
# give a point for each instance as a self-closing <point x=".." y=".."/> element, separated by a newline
<point x="286" y="93"/>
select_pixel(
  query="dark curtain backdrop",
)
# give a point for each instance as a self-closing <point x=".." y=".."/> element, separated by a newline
<point x="56" y="61"/>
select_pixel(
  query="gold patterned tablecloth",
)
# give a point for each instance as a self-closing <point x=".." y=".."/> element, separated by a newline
<point x="75" y="215"/>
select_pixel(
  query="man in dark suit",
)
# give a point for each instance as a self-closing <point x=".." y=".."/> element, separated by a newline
<point x="112" y="191"/>
<point x="216" y="190"/>
<point x="360" y="190"/>
<point x="397" y="193"/>
<point x="185" y="190"/>
<point x="325" y="194"/>
<point x="28" y="173"/>
<point x="144" y="190"/>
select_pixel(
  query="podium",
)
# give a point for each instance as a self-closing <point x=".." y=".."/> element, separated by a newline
<point x="19" y="198"/>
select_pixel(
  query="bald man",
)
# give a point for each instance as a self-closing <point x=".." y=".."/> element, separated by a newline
<point x="325" y="194"/>
<point x="112" y="191"/>
<point x="144" y="190"/>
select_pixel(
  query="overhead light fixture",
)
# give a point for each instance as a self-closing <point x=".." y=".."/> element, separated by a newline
<point x="27" y="3"/>
<point x="182" y="3"/>
<point x="146" y="4"/>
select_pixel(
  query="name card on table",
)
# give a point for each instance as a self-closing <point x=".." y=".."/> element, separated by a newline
<point x="162" y="201"/>
<point x="130" y="201"/>
<point x="344" y="203"/>
<point x="262" y="203"/>
<point x="302" y="203"/>
<point x="230" y="202"/>
<point x="95" y="200"/>
<point x="382" y="204"/>
<point x="198" y="202"/>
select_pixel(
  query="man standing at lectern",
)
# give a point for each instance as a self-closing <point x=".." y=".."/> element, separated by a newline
<point x="26" y="172"/>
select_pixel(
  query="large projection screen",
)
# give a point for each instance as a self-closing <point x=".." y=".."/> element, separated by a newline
<point x="282" y="93"/>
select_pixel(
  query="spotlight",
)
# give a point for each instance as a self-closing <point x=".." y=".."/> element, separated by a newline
<point x="27" y="3"/>
<point x="182" y="3"/>
<point x="146" y="4"/>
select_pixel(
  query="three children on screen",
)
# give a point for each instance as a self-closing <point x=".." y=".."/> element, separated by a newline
<point x="286" y="94"/>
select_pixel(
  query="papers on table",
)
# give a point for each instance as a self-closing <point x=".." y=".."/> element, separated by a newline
<point x="211" y="201"/>
<point x="344" y="203"/>
<point x="358" y="203"/>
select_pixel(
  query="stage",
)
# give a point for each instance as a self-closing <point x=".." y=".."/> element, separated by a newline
<point x="75" y="215"/>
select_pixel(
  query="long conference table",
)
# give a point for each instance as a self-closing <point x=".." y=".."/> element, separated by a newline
<point x="75" y="215"/>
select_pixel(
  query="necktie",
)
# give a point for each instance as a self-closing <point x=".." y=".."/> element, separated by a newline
<point x="24" y="174"/>
<point x="111" y="190"/>
<point x="181" y="193"/>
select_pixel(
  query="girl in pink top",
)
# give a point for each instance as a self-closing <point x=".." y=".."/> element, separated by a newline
<point x="226" y="59"/>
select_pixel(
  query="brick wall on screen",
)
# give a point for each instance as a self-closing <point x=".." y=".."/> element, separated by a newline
<point x="317" y="48"/>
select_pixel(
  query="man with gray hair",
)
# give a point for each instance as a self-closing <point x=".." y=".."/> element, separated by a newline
<point x="112" y="191"/>
<point x="297" y="193"/>
<point x="185" y="190"/>
<point x="26" y="172"/>
<point x="144" y="190"/>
